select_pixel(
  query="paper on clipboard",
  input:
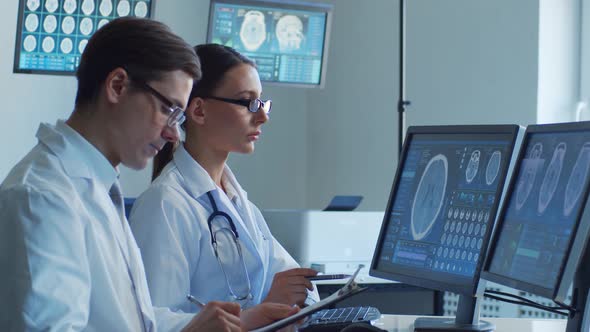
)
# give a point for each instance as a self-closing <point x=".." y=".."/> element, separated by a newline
<point x="349" y="289"/>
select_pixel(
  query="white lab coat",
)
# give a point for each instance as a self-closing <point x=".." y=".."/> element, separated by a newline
<point x="169" y="221"/>
<point x="62" y="243"/>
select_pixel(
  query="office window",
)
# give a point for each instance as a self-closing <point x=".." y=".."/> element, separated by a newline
<point x="583" y="107"/>
<point x="558" y="87"/>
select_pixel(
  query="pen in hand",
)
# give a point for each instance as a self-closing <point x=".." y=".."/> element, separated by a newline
<point x="328" y="277"/>
<point x="195" y="301"/>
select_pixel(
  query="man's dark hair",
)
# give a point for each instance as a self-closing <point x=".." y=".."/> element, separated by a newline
<point x="145" y="48"/>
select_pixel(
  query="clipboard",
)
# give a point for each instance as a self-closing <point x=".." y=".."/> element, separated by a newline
<point x="349" y="289"/>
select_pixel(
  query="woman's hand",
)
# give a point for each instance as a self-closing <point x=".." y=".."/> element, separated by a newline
<point x="264" y="314"/>
<point x="216" y="316"/>
<point x="290" y="287"/>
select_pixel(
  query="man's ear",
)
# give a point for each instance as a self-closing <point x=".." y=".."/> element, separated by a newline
<point x="116" y="85"/>
<point x="196" y="110"/>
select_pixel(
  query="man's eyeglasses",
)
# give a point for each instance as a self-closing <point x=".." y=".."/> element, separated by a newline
<point x="253" y="105"/>
<point x="175" y="113"/>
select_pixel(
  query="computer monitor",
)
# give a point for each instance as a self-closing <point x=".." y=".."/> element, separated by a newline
<point x="52" y="34"/>
<point x="441" y="212"/>
<point x="544" y="223"/>
<point x="288" y="40"/>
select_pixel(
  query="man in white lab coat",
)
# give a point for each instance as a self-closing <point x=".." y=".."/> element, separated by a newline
<point x="68" y="260"/>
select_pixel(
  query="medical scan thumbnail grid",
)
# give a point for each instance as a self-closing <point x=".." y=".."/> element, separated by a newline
<point x="53" y="34"/>
<point x="538" y="224"/>
<point x="286" y="44"/>
<point x="443" y="207"/>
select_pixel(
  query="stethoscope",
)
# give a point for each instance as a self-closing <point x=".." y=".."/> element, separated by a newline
<point x="235" y="236"/>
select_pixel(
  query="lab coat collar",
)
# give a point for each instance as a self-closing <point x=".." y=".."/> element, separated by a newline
<point x="197" y="180"/>
<point x="72" y="148"/>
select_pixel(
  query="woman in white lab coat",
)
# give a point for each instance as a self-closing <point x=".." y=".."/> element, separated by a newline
<point x="196" y="206"/>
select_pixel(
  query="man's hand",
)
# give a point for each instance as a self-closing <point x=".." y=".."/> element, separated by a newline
<point x="216" y="316"/>
<point x="264" y="314"/>
<point x="290" y="287"/>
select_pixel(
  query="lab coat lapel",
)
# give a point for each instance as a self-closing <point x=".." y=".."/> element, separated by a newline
<point x="262" y="244"/>
<point x="223" y="204"/>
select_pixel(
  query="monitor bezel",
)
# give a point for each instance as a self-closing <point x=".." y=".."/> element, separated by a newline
<point x="18" y="51"/>
<point x="418" y="278"/>
<point x="581" y="230"/>
<point x="287" y="4"/>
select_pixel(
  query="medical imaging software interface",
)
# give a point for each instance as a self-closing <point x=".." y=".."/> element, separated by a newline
<point x="547" y="197"/>
<point x="286" y="44"/>
<point x="442" y="207"/>
<point x="53" y="33"/>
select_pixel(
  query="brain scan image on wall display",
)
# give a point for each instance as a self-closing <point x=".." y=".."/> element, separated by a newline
<point x="66" y="45"/>
<point x="123" y="8"/>
<point x="551" y="178"/>
<point x="438" y="217"/>
<point x="68" y="24"/>
<point x="51" y="5"/>
<point x="88" y="7"/>
<point x="141" y="9"/>
<point x="577" y="179"/>
<point x="493" y="167"/>
<point x="106" y="7"/>
<point x="50" y="24"/>
<point x="253" y="30"/>
<point x="32" y="5"/>
<point x="289" y="32"/>
<point x="48" y="44"/>
<point x="528" y="174"/>
<point x="30" y="43"/>
<point x="70" y="6"/>
<point x="429" y="196"/>
<point x="32" y="22"/>
<point x="86" y="26"/>
<point x="472" y="166"/>
<point x="51" y="34"/>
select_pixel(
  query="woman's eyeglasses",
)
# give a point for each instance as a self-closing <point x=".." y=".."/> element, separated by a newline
<point x="253" y="105"/>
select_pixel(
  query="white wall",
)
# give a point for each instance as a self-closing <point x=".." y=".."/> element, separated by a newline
<point x="352" y="122"/>
<point x="468" y="61"/>
<point x="472" y="61"/>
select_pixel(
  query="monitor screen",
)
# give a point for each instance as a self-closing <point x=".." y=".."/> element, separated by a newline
<point x="541" y="216"/>
<point x="287" y="40"/>
<point x="52" y="34"/>
<point x="443" y="205"/>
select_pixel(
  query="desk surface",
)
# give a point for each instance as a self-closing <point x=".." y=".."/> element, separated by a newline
<point x="403" y="323"/>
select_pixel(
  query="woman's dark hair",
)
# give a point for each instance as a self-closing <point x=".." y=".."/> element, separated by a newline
<point x="146" y="48"/>
<point x="216" y="60"/>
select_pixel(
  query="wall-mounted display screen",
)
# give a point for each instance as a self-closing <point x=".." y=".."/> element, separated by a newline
<point x="287" y="39"/>
<point x="52" y="34"/>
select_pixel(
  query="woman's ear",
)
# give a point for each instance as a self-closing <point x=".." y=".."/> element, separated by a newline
<point x="115" y="85"/>
<point x="196" y="110"/>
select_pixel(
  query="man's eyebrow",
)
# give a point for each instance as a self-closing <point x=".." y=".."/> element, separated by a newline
<point x="252" y="92"/>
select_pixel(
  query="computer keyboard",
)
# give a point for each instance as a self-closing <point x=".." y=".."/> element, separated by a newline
<point x="328" y="320"/>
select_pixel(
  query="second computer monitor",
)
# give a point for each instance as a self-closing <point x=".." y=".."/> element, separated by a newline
<point x="442" y="206"/>
<point x="543" y="225"/>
